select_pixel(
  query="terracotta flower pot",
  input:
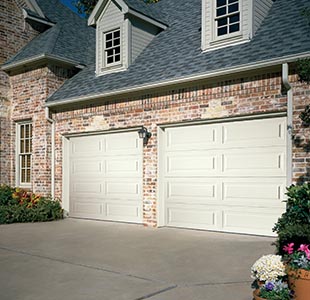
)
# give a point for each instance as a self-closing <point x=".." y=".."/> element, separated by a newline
<point x="299" y="282"/>
<point x="256" y="297"/>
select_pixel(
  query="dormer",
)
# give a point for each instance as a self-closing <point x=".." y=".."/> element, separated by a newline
<point x="229" y="22"/>
<point x="123" y="32"/>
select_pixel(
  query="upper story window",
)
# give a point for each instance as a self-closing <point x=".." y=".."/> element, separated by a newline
<point x="24" y="153"/>
<point x="112" y="47"/>
<point x="227" y="17"/>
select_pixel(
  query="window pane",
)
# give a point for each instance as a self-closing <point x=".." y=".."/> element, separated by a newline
<point x="234" y="28"/>
<point x="220" y="3"/>
<point x="22" y="146"/>
<point x="23" y="161"/>
<point x="23" y="177"/>
<point x="222" y="31"/>
<point x="234" y="19"/>
<point x="110" y="52"/>
<point x="28" y="161"/>
<point x="221" y="11"/>
<point x="221" y="22"/>
<point x="232" y="8"/>
<point x="117" y="42"/>
<point x="232" y="1"/>
<point x="27" y="133"/>
<point x="110" y="60"/>
<point x="117" y="50"/>
<point x="22" y="131"/>
<point x="109" y="36"/>
<point x="28" y="175"/>
<point x="108" y="44"/>
<point x="116" y="34"/>
<point x="117" y="57"/>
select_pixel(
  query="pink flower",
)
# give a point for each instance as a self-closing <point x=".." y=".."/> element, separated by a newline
<point x="303" y="248"/>
<point x="289" y="248"/>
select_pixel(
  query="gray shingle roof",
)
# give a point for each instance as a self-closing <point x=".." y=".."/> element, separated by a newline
<point x="151" y="10"/>
<point x="69" y="39"/>
<point x="175" y="52"/>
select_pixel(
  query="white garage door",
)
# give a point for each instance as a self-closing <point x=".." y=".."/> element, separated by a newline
<point x="225" y="177"/>
<point x="106" y="177"/>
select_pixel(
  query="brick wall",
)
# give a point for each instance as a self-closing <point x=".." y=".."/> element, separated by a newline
<point x="14" y="34"/>
<point x="29" y="92"/>
<point x="243" y="96"/>
<point x="301" y="133"/>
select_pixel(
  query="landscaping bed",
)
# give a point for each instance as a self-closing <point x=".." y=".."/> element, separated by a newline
<point x="20" y="206"/>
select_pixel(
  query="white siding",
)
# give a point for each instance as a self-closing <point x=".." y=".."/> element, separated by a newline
<point x="261" y="8"/>
<point x="111" y="18"/>
<point x="141" y="35"/>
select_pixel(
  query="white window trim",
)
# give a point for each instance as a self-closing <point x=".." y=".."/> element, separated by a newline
<point x="105" y="66"/>
<point x="228" y="36"/>
<point x="17" y="157"/>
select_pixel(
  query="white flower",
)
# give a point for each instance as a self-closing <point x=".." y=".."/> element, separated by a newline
<point x="268" y="268"/>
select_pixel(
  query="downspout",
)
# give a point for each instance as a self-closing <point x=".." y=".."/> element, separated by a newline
<point x="50" y="120"/>
<point x="287" y="85"/>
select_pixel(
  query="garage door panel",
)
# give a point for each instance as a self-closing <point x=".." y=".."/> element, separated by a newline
<point x="257" y="192"/>
<point x="190" y="137"/>
<point x="262" y="161"/>
<point x="191" y="191"/>
<point x="91" y="189"/>
<point x="259" y="221"/>
<point x="87" y="146"/>
<point x="121" y="189"/>
<point x="255" y="133"/>
<point x="193" y="163"/>
<point x="122" y="212"/>
<point x="123" y="167"/>
<point x="86" y="209"/>
<point x="191" y="217"/>
<point x="87" y="167"/>
<point x="128" y="143"/>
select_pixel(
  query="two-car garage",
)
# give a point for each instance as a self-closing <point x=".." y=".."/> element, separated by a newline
<point x="225" y="176"/>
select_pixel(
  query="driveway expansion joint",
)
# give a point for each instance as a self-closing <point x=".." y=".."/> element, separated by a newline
<point x="157" y="292"/>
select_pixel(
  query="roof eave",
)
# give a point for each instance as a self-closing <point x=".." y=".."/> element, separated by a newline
<point x="42" y="21"/>
<point x="38" y="59"/>
<point x="201" y="76"/>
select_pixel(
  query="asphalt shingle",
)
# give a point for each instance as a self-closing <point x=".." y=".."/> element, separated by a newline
<point x="176" y="52"/>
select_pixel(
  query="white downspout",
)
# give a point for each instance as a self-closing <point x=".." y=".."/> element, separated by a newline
<point x="286" y="83"/>
<point x="53" y="151"/>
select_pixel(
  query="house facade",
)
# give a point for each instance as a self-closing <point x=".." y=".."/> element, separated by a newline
<point x="212" y="86"/>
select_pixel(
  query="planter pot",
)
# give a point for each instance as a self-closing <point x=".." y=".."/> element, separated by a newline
<point x="299" y="282"/>
<point x="256" y="297"/>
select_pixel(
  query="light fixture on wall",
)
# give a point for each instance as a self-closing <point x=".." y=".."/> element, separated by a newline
<point x="144" y="134"/>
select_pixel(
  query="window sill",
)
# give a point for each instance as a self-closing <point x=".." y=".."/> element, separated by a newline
<point x="109" y="70"/>
<point x="226" y="42"/>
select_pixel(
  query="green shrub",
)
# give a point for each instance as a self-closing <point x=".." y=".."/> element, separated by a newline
<point x="6" y="194"/>
<point x="298" y="208"/>
<point x="18" y="205"/>
<point x="294" y="224"/>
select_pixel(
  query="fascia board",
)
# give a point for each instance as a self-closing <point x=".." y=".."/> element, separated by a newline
<point x="27" y="16"/>
<point x="201" y="76"/>
<point x="100" y="7"/>
<point x="38" y="59"/>
<point x="33" y="5"/>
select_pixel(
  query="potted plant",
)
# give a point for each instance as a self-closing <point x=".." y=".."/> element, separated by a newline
<point x="297" y="261"/>
<point x="269" y="276"/>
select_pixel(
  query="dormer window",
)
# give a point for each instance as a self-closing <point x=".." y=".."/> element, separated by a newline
<point x="112" y="47"/>
<point x="227" y="17"/>
<point x="231" y="22"/>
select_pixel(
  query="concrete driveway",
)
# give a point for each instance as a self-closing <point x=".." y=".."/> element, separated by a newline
<point x="86" y="260"/>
